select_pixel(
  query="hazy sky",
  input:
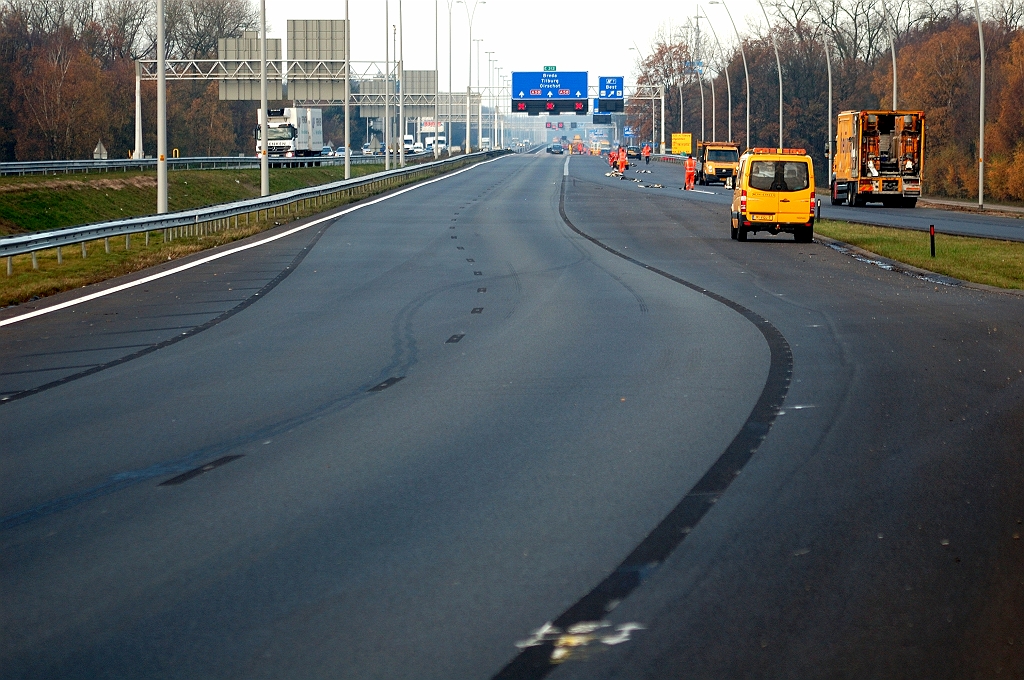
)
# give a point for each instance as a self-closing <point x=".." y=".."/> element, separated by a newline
<point x="525" y="35"/>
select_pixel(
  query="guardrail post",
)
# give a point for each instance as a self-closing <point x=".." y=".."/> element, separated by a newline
<point x="106" y="244"/>
<point x="35" y="262"/>
<point x="60" y="257"/>
<point x="127" y="244"/>
<point x="84" y="254"/>
<point x="10" y="265"/>
<point x="147" y="239"/>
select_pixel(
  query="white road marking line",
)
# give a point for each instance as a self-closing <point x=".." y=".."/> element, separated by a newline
<point x="565" y="168"/>
<point x="217" y="256"/>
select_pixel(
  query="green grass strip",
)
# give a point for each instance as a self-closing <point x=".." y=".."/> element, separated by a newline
<point x="46" y="202"/>
<point x="978" y="260"/>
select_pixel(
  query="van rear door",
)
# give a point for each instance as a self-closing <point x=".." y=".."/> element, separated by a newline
<point x="762" y="202"/>
<point x="795" y="194"/>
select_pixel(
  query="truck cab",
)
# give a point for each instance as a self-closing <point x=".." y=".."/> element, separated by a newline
<point x="774" y="192"/>
<point x="717" y="162"/>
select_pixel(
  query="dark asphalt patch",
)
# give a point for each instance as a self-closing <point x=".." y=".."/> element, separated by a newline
<point x="535" y="661"/>
<point x="202" y="470"/>
<point x="455" y="338"/>
<point x="477" y="310"/>
<point x="386" y="384"/>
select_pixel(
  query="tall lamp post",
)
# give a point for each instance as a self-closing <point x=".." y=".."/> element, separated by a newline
<point x="264" y="124"/>
<point x="348" y="96"/>
<point x="778" y="64"/>
<point x="470" y="15"/>
<point x="490" y="96"/>
<point x="728" y="85"/>
<point x="892" y="46"/>
<point x="746" y="73"/>
<point x="161" y="109"/>
<point x="437" y="150"/>
<point x="981" y="112"/>
<point x="828" y="65"/>
<point x="448" y="129"/>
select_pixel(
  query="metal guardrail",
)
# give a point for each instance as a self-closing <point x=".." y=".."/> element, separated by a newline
<point x="204" y="220"/>
<point x="195" y="163"/>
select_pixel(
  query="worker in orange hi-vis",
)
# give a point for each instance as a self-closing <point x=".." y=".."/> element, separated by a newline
<point x="612" y="157"/>
<point x="647" y="154"/>
<point x="691" y="171"/>
<point x="623" y="160"/>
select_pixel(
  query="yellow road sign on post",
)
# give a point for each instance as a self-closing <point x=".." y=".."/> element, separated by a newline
<point x="682" y="143"/>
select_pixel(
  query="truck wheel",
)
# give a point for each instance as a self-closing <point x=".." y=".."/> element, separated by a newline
<point x="803" y="234"/>
<point x="910" y="202"/>
<point x="835" y="195"/>
<point x="852" y="197"/>
<point x="733" y="231"/>
<point x="741" y="234"/>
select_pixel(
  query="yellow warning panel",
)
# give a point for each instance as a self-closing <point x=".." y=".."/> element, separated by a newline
<point x="682" y="143"/>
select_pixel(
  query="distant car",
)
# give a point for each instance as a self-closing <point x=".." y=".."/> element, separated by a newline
<point x="633" y="152"/>
<point x="340" y="151"/>
<point x="367" y="151"/>
<point x="327" y="151"/>
<point x="417" y="147"/>
<point x="555" y="148"/>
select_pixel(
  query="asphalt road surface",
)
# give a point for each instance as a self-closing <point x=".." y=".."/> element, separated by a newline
<point x="399" y="441"/>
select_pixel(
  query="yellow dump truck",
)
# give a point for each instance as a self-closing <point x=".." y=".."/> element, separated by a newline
<point x="878" y="158"/>
<point x="717" y="162"/>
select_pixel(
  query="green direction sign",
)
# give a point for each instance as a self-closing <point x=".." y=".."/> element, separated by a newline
<point x="550" y="68"/>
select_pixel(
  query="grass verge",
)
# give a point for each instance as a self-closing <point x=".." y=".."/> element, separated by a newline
<point x="45" y="202"/>
<point x="978" y="260"/>
<point x="50" y="276"/>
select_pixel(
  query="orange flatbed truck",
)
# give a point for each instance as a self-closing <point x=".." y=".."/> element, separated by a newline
<point x="878" y="158"/>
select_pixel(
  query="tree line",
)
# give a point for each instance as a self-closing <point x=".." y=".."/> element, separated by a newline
<point x="937" y="67"/>
<point x="67" y="78"/>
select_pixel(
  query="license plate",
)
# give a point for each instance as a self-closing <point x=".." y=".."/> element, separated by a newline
<point x="762" y="218"/>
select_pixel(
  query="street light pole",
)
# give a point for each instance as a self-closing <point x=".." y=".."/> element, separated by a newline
<point x="401" y="88"/>
<point x="470" y="15"/>
<point x="387" y="87"/>
<point x="264" y="123"/>
<point x="892" y="46"/>
<point x="778" y="64"/>
<point x="437" y="149"/>
<point x="348" y="96"/>
<point x="728" y="85"/>
<point x="161" y="111"/>
<point x="490" y="96"/>
<point x="746" y="73"/>
<point x="828" y="65"/>
<point x="981" y="112"/>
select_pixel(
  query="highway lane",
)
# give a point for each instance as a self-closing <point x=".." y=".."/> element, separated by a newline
<point x="877" y="532"/>
<point x="988" y="224"/>
<point x="449" y="420"/>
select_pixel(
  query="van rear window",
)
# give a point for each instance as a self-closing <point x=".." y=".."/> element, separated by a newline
<point x="779" y="175"/>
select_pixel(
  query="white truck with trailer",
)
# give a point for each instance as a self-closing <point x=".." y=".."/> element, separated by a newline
<point x="293" y="132"/>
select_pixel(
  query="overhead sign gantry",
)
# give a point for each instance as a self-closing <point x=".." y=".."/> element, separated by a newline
<point x="610" y="93"/>
<point x="550" y="91"/>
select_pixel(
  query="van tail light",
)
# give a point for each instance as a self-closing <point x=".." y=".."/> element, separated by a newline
<point x="743" y="202"/>
<point x="814" y="202"/>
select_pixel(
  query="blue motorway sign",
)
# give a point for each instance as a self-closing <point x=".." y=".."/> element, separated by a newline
<point x="628" y="131"/>
<point x="610" y="88"/>
<point x="549" y="85"/>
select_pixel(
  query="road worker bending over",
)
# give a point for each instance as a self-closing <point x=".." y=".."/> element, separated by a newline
<point x="691" y="171"/>
<point x="623" y="161"/>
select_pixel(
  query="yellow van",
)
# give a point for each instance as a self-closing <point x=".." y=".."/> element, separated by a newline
<point x="774" y="192"/>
